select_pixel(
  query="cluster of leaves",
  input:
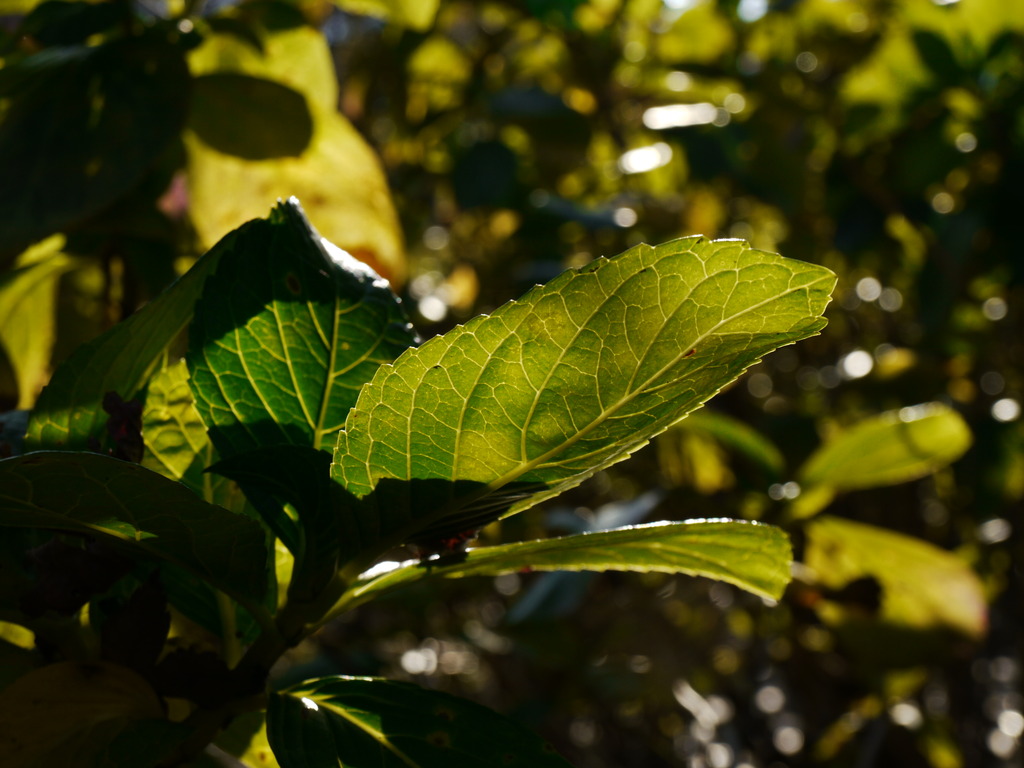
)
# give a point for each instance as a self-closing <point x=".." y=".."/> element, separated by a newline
<point x="880" y="139"/>
<point x="202" y="529"/>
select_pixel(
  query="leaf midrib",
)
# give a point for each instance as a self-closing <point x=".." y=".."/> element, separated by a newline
<point x="379" y="736"/>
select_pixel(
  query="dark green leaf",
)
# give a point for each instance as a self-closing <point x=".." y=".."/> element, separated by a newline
<point x="207" y="607"/>
<point x="287" y="331"/>
<point x="514" y="408"/>
<point x="937" y="54"/>
<point x="82" y="127"/>
<point x="751" y="556"/>
<point x="250" y="117"/>
<point x="374" y="723"/>
<point x="61" y="22"/>
<point x="300" y="477"/>
<point x="178" y="447"/>
<point x="139" y="512"/>
<point x="69" y="411"/>
<point x="77" y="714"/>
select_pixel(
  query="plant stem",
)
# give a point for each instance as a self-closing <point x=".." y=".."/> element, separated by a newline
<point x="229" y="630"/>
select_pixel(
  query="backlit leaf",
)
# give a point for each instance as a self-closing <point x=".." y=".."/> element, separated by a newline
<point x="514" y="408"/>
<point x="287" y="331"/>
<point x="27" y="326"/>
<point x="738" y="436"/>
<point x="178" y="447"/>
<point x="417" y="14"/>
<point x="751" y="556"/>
<point x="174" y="435"/>
<point x="367" y="722"/>
<point x="893" y="447"/>
<point x="923" y="587"/>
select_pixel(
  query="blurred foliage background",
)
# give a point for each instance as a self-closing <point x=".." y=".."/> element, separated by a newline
<point x="471" y="149"/>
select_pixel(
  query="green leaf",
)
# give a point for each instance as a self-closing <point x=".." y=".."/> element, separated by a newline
<point x="63" y="22"/>
<point x="893" y="447"/>
<point x="417" y="14"/>
<point x="754" y="557"/>
<point x="196" y="599"/>
<point x="246" y="739"/>
<point x="287" y="331"/>
<point x="740" y="437"/>
<point x="175" y="436"/>
<point x="69" y="411"/>
<point x="27" y="323"/>
<point x="140" y="512"/>
<point x="178" y="447"/>
<point x="514" y="408"/>
<point x="249" y="117"/>
<point x="923" y="587"/>
<point x="87" y="122"/>
<point x="364" y="722"/>
<point x="936" y="53"/>
<point x="298" y="476"/>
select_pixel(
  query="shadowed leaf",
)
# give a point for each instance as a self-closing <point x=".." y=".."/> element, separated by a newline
<point x="373" y="722"/>
<point x="249" y="117"/>
<point x="137" y="512"/>
<point x="287" y="331"/>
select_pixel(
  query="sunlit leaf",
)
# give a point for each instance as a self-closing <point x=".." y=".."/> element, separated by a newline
<point x="893" y="447"/>
<point x="417" y="14"/>
<point x="751" y="556"/>
<point x="27" y="322"/>
<point x="137" y="511"/>
<point x="356" y="721"/>
<point x="174" y="434"/>
<point x="17" y="656"/>
<point x="338" y="177"/>
<point x="923" y="587"/>
<point x="14" y="7"/>
<point x="514" y="408"/>
<point x="288" y="329"/>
